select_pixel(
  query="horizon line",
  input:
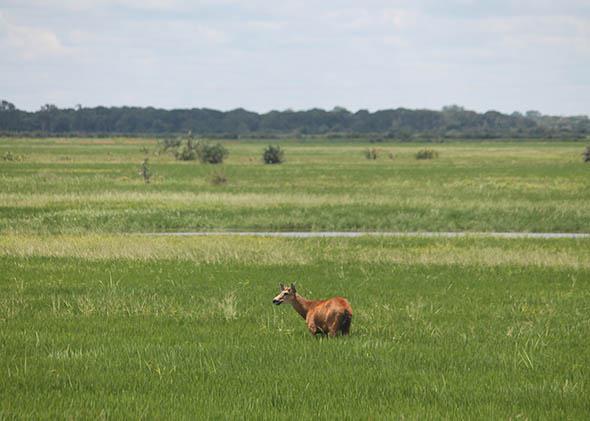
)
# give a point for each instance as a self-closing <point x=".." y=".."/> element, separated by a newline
<point x="335" y="108"/>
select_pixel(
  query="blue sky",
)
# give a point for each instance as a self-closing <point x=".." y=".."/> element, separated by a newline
<point x="504" y="55"/>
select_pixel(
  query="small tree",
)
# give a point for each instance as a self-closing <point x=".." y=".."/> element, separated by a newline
<point x="586" y="154"/>
<point x="145" y="171"/>
<point x="273" y="155"/>
<point x="211" y="153"/>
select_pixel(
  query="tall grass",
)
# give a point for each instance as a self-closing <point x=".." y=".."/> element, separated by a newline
<point x="167" y="337"/>
<point x="470" y="251"/>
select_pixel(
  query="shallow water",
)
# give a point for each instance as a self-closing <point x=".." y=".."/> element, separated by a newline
<point x="350" y="234"/>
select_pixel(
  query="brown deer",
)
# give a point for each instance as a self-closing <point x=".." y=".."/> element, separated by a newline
<point x="322" y="316"/>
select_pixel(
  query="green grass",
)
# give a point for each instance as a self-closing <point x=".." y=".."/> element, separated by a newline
<point x="92" y="185"/>
<point x="92" y="327"/>
<point x="100" y="321"/>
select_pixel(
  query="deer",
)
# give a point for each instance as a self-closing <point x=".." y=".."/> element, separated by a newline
<point x="329" y="317"/>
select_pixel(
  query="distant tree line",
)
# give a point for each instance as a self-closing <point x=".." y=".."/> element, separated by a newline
<point x="451" y="122"/>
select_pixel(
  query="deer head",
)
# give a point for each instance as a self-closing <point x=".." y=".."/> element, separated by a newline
<point x="286" y="294"/>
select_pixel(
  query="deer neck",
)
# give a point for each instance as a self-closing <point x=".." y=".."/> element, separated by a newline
<point x="301" y="305"/>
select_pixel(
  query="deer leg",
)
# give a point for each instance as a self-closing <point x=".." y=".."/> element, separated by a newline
<point x="334" y="327"/>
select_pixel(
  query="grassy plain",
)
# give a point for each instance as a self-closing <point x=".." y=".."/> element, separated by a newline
<point x="92" y="185"/>
<point x="98" y="322"/>
<point x="132" y="326"/>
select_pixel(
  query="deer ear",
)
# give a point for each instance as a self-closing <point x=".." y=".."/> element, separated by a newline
<point x="293" y="289"/>
<point x="281" y="287"/>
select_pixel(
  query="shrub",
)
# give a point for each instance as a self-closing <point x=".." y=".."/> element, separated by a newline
<point x="211" y="153"/>
<point x="371" y="153"/>
<point x="186" y="150"/>
<point x="186" y="147"/>
<point x="273" y="155"/>
<point x="189" y="149"/>
<point x="426" y="154"/>
<point x="586" y="154"/>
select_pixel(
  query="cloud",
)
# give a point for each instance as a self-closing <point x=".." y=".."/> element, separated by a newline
<point x="28" y="42"/>
<point x="264" y="54"/>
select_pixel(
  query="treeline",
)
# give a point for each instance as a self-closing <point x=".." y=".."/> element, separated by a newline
<point x="451" y="122"/>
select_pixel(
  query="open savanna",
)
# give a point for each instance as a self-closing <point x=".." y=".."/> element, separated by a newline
<point x="136" y="326"/>
<point x="92" y="185"/>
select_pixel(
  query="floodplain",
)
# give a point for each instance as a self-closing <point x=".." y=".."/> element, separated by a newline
<point x="100" y="319"/>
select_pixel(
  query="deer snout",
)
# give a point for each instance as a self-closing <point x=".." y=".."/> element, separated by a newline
<point x="275" y="301"/>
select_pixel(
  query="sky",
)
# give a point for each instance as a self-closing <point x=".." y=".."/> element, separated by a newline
<point x="504" y="55"/>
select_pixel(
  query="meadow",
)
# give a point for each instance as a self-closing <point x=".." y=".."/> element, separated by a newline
<point x="185" y="328"/>
<point x="99" y="319"/>
<point x="92" y="185"/>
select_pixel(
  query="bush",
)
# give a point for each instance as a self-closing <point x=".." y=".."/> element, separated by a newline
<point x="273" y="155"/>
<point x="189" y="149"/>
<point x="211" y="153"/>
<point x="185" y="147"/>
<point x="586" y="154"/>
<point x="186" y="150"/>
<point x="426" y="154"/>
<point x="371" y="153"/>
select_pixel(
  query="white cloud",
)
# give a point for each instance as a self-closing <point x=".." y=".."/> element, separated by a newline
<point x="264" y="54"/>
<point x="28" y="42"/>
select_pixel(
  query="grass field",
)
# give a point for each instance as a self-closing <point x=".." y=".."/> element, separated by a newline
<point x="98" y="320"/>
<point x="92" y="185"/>
<point x="465" y="328"/>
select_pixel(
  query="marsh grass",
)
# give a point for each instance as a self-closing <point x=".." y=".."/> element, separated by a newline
<point x="426" y="153"/>
<point x="485" y="252"/>
<point x="89" y="335"/>
<point x="228" y="306"/>
<point x="218" y="178"/>
<point x="471" y="187"/>
<point x="371" y="154"/>
<point x="96" y="324"/>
